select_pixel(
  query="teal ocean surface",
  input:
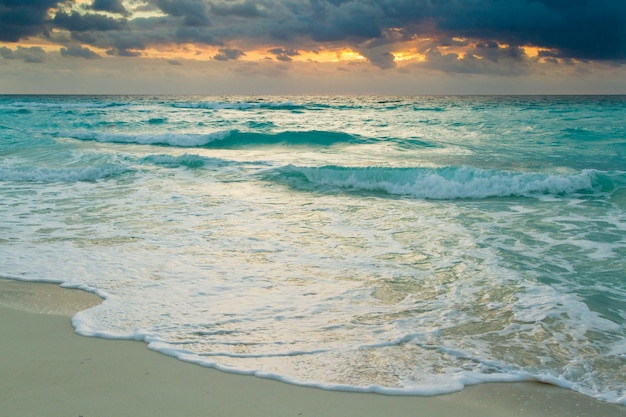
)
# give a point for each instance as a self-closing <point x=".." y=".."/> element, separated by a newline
<point x="401" y="245"/>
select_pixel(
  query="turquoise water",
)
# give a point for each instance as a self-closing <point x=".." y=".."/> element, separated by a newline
<point x="403" y="245"/>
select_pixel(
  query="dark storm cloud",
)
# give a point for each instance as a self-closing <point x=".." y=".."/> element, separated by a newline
<point x="193" y="12"/>
<point x="125" y="44"/>
<point x="76" y="22"/>
<point x="117" y="43"/>
<point x="283" y="54"/>
<point x="111" y="6"/>
<point x="483" y="58"/>
<point x="247" y="8"/>
<point x="567" y="29"/>
<point x="20" y="19"/>
<point x="494" y="53"/>
<point x="79" y="51"/>
<point x="338" y="20"/>
<point x="227" y="54"/>
<point x="584" y="29"/>
<point x="194" y="35"/>
<point x="381" y="58"/>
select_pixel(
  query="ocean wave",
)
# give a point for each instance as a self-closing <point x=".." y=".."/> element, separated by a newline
<point x="433" y="109"/>
<point x="169" y="139"/>
<point x="40" y="174"/>
<point x="186" y="160"/>
<point x="238" y="105"/>
<point x="157" y="120"/>
<point x="304" y="138"/>
<point x="437" y="183"/>
<point x="220" y="139"/>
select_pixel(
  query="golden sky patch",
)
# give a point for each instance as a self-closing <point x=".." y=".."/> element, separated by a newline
<point x="400" y="56"/>
<point x="207" y="53"/>
<point x="349" y="55"/>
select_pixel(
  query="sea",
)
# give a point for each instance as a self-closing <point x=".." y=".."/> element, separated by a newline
<point x="399" y="245"/>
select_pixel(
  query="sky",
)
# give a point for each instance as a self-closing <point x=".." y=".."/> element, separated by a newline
<point x="395" y="47"/>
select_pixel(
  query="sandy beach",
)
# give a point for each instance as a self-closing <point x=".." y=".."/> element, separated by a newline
<point x="48" y="370"/>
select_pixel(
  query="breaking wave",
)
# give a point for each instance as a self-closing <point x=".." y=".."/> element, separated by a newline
<point x="169" y="139"/>
<point x="438" y="183"/>
<point x="221" y="139"/>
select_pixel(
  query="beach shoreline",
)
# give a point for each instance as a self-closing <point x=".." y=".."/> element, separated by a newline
<point x="47" y="369"/>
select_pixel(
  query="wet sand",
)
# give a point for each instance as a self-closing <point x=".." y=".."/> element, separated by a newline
<point x="48" y="370"/>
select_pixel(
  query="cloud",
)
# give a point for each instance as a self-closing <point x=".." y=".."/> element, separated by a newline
<point x="483" y="58"/>
<point x="76" y="22"/>
<point x="283" y="54"/>
<point x="381" y="58"/>
<point x="111" y="6"/>
<point x="493" y="52"/>
<point x="117" y="43"/>
<point x="123" y="52"/>
<point x="195" y="35"/>
<point x="193" y="12"/>
<point x="34" y="54"/>
<point x="227" y="54"/>
<point x="79" y="51"/>
<point x="493" y="31"/>
<point x="577" y="28"/>
<point x="248" y="9"/>
<point x="339" y="20"/>
<point x="21" y="19"/>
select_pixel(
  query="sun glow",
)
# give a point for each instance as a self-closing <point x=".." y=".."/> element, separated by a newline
<point x="400" y="56"/>
<point x="194" y="52"/>
<point x="349" y="55"/>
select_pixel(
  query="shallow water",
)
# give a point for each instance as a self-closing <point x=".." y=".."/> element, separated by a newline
<point x="407" y="245"/>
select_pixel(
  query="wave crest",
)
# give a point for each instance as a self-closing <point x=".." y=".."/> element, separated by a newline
<point x="221" y="139"/>
<point x="298" y="138"/>
<point x="434" y="183"/>
<point x="169" y="139"/>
